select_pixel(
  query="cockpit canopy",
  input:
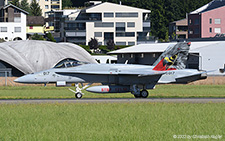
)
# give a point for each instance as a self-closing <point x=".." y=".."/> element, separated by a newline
<point x="67" y="63"/>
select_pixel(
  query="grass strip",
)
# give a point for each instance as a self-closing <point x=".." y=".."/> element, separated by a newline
<point x="161" y="91"/>
<point x="110" y="121"/>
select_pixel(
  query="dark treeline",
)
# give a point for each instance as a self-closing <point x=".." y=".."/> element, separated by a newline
<point x="162" y="11"/>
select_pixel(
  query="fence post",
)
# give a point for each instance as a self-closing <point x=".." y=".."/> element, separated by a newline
<point x="5" y="78"/>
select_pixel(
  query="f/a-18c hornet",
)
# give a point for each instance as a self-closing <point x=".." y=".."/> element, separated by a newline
<point x="120" y="78"/>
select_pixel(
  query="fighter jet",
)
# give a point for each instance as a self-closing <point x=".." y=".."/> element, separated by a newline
<point x="120" y="78"/>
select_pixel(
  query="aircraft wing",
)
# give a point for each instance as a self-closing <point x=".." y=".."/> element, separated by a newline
<point x="139" y="74"/>
<point x="124" y="77"/>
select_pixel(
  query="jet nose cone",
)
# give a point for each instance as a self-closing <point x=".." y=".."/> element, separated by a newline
<point x="20" y="80"/>
<point x="17" y="80"/>
<point x="24" y="79"/>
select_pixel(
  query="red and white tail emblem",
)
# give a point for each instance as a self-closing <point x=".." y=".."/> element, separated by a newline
<point x="165" y="64"/>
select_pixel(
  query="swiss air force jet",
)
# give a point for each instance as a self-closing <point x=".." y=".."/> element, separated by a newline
<point x="120" y="78"/>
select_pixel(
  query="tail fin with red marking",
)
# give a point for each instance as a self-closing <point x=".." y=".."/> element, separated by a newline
<point x="165" y="64"/>
<point x="174" y="57"/>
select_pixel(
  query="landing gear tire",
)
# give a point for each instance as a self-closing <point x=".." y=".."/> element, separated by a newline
<point x="144" y="93"/>
<point x="78" y="95"/>
<point x="137" y="96"/>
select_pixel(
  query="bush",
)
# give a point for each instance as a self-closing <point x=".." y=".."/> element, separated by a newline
<point x="2" y="40"/>
<point x="37" y="37"/>
<point x="50" y="37"/>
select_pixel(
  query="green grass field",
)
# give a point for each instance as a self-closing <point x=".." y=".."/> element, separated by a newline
<point x="110" y="121"/>
<point x="29" y="92"/>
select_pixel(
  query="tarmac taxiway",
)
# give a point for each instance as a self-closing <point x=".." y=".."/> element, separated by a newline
<point x="114" y="100"/>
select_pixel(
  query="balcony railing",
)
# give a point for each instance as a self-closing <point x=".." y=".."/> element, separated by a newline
<point x="146" y="38"/>
<point x="84" y="19"/>
<point x="75" y="28"/>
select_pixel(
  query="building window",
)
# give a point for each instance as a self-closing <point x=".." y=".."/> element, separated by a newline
<point x="196" y="31"/>
<point x="17" y="19"/>
<point x="210" y="21"/>
<point x="122" y="55"/>
<point x="196" y="21"/>
<point x="131" y="43"/>
<point x="131" y="24"/>
<point x="217" y="21"/>
<point x="190" y="22"/>
<point x="153" y="55"/>
<point x="125" y="34"/>
<point x="16" y="11"/>
<point x="217" y="30"/>
<point x="17" y="29"/>
<point x="98" y="34"/>
<point x="106" y="15"/>
<point x="99" y="24"/>
<point x="46" y="6"/>
<point x="121" y="43"/>
<point x="127" y="15"/>
<point x="210" y="30"/>
<point x="120" y="26"/>
<point x="55" y="6"/>
<point x="142" y="55"/>
<point x="3" y="29"/>
<point x="131" y="55"/>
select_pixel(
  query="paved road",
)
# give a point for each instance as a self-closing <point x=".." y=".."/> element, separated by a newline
<point x="116" y="100"/>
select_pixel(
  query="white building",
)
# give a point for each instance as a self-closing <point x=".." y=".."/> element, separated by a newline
<point x="107" y="21"/>
<point x="45" y="5"/>
<point x="12" y="23"/>
<point x="53" y="17"/>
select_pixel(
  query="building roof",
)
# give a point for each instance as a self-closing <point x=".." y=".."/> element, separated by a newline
<point x="159" y="47"/>
<point x="35" y="20"/>
<point x="6" y="6"/>
<point x="30" y="56"/>
<point x="111" y="7"/>
<point x="181" y="22"/>
<point x="210" y="6"/>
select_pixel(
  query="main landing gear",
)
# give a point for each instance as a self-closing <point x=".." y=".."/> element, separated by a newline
<point x="138" y="93"/>
<point x="78" y="92"/>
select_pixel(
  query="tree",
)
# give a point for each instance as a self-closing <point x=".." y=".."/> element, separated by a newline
<point x="25" y="6"/>
<point x="66" y="3"/>
<point x="35" y="9"/>
<point x="15" y="2"/>
<point x="110" y="44"/>
<point x="93" y="43"/>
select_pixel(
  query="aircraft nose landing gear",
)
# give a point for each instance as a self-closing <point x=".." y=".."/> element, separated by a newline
<point x="78" y="92"/>
<point x="78" y="95"/>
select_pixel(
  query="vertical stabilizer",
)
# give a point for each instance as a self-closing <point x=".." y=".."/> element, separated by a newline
<point x="174" y="57"/>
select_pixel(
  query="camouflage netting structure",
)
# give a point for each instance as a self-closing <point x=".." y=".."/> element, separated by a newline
<point x="31" y="56"/>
